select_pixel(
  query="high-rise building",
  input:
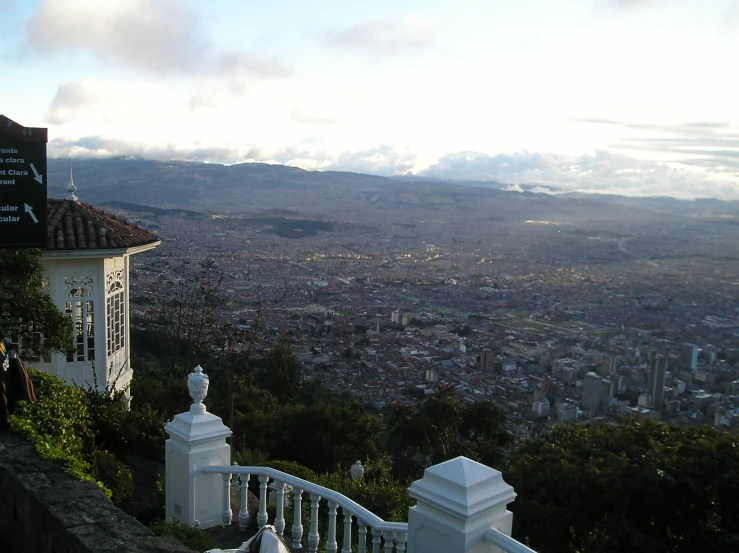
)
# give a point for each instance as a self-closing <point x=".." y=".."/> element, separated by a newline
<point x="689" y="357"/>
<point x="541" y="408"/>
<point x="486" y="360"/>
<point x="395" y="317"/>
<point x="656" y="383"/>
<point x="592" y="392"/>
<point x="607" y="366"/>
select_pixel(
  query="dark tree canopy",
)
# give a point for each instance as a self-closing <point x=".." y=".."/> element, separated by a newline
<point x="282" y="377"/>
<point x="27" y="313"/>
<point x="627" y="487"/>
<point x="442" y="428"/>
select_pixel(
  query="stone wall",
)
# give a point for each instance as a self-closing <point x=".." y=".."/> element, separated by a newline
<point x="44" y="510"/>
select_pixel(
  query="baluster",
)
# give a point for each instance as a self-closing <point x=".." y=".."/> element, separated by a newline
<point x="313" y="534"/>
<point x="362" y="536"/>
<point x="388" y="541"/>
<point x="376" y="540"/>
<point x="401" y="538"/>
<point x="280" y="512"/>
<point x="262" y="515"/>
<point x="297" y="522"/>
<point x="331" y="546"/>
<point x="244" y="509"/>
<point x="226" y="516"/>
<point x="347" y="531"/>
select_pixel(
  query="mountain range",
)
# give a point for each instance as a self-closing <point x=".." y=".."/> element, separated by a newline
<point x="254" y="187"/>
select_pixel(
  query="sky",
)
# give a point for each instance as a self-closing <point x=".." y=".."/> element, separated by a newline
<point x="633" y="97"/>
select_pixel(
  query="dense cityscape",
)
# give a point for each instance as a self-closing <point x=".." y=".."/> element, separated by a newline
<point x="554" y="321"/>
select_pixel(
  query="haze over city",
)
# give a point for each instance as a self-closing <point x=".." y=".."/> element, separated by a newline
<point x="619" y="96"/>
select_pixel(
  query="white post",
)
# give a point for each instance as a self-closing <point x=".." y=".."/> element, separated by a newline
<point x="457" y="502"/>
<point x="196" y="439"/>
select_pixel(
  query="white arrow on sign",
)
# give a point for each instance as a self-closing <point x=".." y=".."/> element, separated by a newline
<point x="37" y="176"/>
<point x="29" y="210"/>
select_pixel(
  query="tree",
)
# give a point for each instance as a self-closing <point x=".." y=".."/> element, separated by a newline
<point x="282" y="377"/>
<point x="326" y="432"/>
<point x="184" y="310"/>
<point x="627" y="487"/>
<point x="27" y="313"/>
<point x="442" y="428"/>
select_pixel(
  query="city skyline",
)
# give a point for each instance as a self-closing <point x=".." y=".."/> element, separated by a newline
<point x="620" y="96"/>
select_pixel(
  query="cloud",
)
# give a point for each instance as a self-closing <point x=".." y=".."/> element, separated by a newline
<point x="730" y="18"/>
<point x="602" y="172"/>
<point x="711" y="145"/>
<point x="382" y="160"/>
<point x="384" y="37"/>
<point x="298" y="116"/>
<point x="96" y="146"/>
<point x="156" y="37"/>
<point x="638" y="4"/>
<point x="113" y="102"/>
<point x="70" y="99"/>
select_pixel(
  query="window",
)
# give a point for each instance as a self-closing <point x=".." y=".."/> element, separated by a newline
<point x="81" y="310"/>
<point x="115" y="311"/>
<point x="82" y="313"/>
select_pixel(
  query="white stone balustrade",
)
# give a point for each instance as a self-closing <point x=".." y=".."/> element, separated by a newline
<point x="392" y="533"/>
<point x="461" y="504"/>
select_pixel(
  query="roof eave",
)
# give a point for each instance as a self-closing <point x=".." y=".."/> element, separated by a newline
<point x="99" y="253"/>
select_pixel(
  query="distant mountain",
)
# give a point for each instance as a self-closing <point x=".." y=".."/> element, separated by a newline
<point x="253" y="187"/>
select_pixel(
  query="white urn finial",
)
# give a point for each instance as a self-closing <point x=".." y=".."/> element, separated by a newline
<point x="197" y="385"/>
<point x="357" y="471"/>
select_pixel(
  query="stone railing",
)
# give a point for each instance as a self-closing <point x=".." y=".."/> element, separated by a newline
<point x="461" y="505"/>
<point x="45" y="510"/>
<point x="387" y="534"/>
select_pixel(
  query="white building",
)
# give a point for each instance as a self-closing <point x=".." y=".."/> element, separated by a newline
<point x="86" y="271"/>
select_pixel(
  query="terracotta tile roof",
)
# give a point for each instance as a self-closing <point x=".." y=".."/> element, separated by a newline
<point x="78" y="226"/>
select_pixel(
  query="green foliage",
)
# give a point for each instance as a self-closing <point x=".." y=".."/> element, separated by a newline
<point x="627" y="487"/>
<point x="376" y="492"/>
<point x="116" y="475"/>
<point x="282" y="376"/>
<point x="194" y="538"/>
<point x="26" y="311"/>
<point x="295" y="469"/>
<point x="58" y="425"/>
<point x="443" y="428"/>
<point x="157" y="388"/>
<point x="344" y="430"/>
<point x="249" y="457"/>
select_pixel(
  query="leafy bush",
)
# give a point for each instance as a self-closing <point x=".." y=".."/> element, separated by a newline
<point x="387" y="498"/>
<point x="627" y="487"/>
<point x="116" y="475"/>
<point x="58" y="425"/>
<point x="194" y="538"/>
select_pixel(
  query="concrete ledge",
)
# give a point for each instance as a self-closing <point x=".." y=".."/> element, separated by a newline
<point x="44" y="510"/>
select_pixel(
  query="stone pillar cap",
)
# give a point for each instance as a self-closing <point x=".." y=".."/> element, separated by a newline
<point x="193" y="427"/>
<point x="462" y="487"/>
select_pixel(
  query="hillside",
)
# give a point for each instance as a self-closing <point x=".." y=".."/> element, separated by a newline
<point x="253" y="187"/>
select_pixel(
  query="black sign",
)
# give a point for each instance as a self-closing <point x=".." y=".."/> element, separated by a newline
<point x="22" y="185"/>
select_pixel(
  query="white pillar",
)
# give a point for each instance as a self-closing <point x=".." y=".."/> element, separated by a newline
<point x="457" y="502"/>
<point x="196" y="439"/>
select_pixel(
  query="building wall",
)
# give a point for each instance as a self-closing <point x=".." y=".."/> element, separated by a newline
<point x="99" y="279"/>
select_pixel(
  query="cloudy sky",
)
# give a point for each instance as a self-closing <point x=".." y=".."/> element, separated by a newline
<point x="635" y="97"/>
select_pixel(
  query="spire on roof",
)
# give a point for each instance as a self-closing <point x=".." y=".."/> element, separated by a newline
<point x="71" y="188"/>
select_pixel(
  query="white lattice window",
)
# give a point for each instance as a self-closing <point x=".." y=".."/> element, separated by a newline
<point x="80" y="308"/>
<point x="115" y="311"/>
<point x="82" y="313"/>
